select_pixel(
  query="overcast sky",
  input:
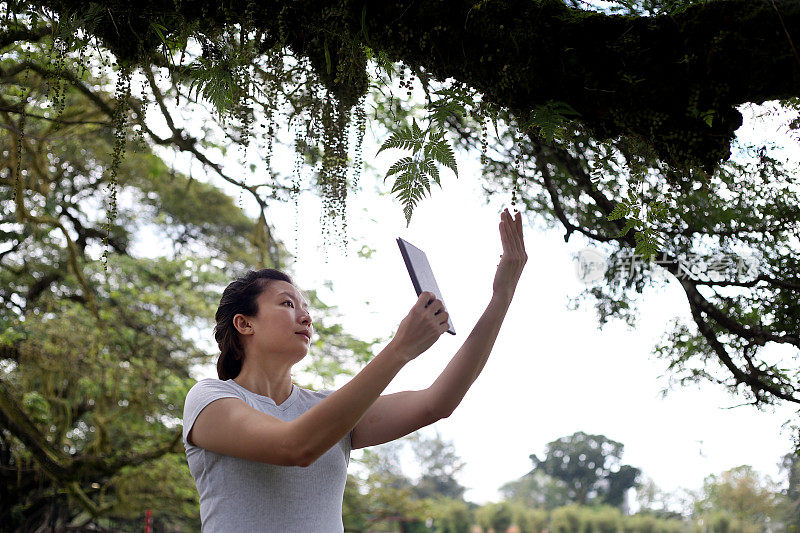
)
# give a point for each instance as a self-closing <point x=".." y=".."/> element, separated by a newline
<point x="552" y="371"/>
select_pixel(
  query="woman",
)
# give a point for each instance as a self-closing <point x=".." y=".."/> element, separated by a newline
<point x="267" y="455"/>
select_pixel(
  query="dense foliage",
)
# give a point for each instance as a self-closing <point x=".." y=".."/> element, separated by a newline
<point x="94" y="365"/>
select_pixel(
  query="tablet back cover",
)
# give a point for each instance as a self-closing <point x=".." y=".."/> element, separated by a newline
<point x="421" y="274"/>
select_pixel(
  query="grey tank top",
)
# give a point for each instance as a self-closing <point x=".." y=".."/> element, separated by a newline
<point x="239" y="495"/>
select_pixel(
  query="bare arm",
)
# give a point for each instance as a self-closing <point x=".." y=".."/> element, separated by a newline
<point x="450" y="387"/>
<point x="393" y="416"/>
<point x="325" y="424"/>
<point x="463" y="369"/>
<point x="396" y="415"/>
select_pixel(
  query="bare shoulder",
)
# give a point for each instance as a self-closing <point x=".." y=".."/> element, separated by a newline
<point x="229" y="426"/>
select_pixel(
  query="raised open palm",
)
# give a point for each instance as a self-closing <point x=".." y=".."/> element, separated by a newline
<point x="514" y="257"/>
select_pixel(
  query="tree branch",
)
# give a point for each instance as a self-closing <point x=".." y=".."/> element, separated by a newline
<point x="658" y="78"/>
<point x="52" y="461"/>
<point x="749" y="379"/>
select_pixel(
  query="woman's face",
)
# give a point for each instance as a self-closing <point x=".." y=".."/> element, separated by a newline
<point x="282" y="312"/>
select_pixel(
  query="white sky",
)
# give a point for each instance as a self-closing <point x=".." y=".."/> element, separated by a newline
<point x="551" y="372"/>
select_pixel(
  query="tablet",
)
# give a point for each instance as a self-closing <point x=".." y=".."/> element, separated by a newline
<point x="421" y="274"/>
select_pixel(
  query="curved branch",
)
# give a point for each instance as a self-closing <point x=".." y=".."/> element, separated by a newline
<point x="18" y="111"/>
<point x="671" y="263"/>
<point x="752" y="381"/>
<point x="54" y="463"/>
<point x="541" y="164"/>
<point x="761" y="277"/>
<point x="104" y="106"/>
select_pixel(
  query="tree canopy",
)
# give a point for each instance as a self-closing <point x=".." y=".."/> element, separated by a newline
<point x="589" y="467"/>
<point x="670" y="73"/>
<point x="744" y="496"/>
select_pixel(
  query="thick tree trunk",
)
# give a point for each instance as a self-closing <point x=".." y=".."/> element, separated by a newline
<point x="671" y="80"/>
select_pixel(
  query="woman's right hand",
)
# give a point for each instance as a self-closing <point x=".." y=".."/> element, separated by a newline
<point x="423" y="325"/>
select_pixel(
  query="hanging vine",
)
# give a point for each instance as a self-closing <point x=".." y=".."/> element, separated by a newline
<point x="247" y="74"/>
<point x="119" y="121"/>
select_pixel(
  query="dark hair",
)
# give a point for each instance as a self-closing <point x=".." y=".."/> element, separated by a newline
<point x="239" y="297"/>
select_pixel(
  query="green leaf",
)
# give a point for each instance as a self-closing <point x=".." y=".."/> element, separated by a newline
<point x="364" y="24"/>
<point x="549" y="119"/>
<point x="403" y="165"/>
<point x="708" y="116"/>
<point x="646" y="246"/>
<point x="620" y="210"/>
<point x="629" y="225"/>
<point x="428" y="166"/>
<point x="411" y="187"/>
<point x="404" y="139"/>
<point x="159" y="29"/>
<point x="441" y="110"/>
<point x="659" y="210"/>
<point x="416" y="131"/>
<point x="441" y="151"/>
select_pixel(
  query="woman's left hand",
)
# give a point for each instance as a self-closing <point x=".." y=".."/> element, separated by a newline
<point x="514" y="257"/>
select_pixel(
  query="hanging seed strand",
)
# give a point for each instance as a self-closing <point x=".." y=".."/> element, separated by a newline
<point x="484" y="140"/>
<point x="517" y="167"/>
<point x="296" y="177"/>
<point x="122" y="94"/>
<point x="142" y="116"/>
<point x="60" y="97"/>
<point x="23" y="104"/>
<point x="18" y="169"/>
<point x="360" y="127"/>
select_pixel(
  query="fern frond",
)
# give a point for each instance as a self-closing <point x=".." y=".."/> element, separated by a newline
<point x="417" y="132"/>
<point x="629" y="225"/>
<point x="408" y="182"/>
<point x="404" y="139"/>
<point x="646" y="244"/>
<point x="428" y="166"/>
<point x="620" y="210"/>
<point x="441" y="151"/>
<point x="549" y="119"/>
<point x="659" y="211"/>
<point x="215" y="81"/>
<point x="403" y="165"/>
<point x="410" y="187"/>
<point x="442" y="109"/>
